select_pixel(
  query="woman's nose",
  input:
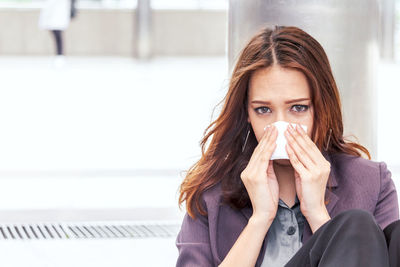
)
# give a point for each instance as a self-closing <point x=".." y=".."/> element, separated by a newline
<point x="280" y="116"/>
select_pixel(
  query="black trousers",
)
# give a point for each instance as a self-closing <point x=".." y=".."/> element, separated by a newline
<point x="57" y="34"/>
<point x="351" y="239"/>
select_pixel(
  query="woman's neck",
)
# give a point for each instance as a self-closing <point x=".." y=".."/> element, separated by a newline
<point x="287" y="187"/>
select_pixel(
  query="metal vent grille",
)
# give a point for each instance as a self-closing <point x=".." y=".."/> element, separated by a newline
<point x="86" y="230"/>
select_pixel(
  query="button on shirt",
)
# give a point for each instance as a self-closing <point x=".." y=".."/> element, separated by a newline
<point x="284" y="235"/>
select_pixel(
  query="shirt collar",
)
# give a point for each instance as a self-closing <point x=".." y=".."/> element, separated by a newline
<point x="283" y="204"/>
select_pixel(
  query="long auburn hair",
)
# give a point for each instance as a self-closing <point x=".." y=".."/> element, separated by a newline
<point x="223" y="161"/>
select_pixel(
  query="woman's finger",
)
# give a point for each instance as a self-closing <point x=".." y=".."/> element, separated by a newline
<point x="297" y="165"/>
<point x="270" y="170"/>
<point x="264" y="140"/>
<point x="311" y="146"/>
<point x="307" y="139"/>
<point x="299" y="138"/>
<point x="257" y="151"/>
<point x="302" y="155"/>
<point x="269" y="146"/>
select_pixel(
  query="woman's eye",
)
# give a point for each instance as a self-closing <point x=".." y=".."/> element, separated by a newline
<point x="295" y="108"/>
<point x="261" y="108"/>
<point x="300" y="108"/>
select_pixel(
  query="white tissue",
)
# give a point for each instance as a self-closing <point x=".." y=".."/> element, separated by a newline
<point x="280" y="150"/>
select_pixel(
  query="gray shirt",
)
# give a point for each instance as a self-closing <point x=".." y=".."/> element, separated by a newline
<point x="284" y="235"/>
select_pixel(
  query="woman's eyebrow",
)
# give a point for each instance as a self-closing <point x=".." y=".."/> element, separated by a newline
<point x="286" y="102"/>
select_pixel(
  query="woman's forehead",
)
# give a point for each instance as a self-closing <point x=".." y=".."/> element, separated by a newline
<point x="278" y="83"/>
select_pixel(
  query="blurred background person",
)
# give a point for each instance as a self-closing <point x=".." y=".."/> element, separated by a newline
<point x="55" y="16"/>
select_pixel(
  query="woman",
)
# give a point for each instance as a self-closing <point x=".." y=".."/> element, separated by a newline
<point x="55" y="16"/>
<point x="324" y="206"/>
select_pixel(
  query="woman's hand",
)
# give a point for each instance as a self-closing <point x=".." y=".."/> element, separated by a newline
<point x="311" y="175"/>
<point x="259" y="177"/>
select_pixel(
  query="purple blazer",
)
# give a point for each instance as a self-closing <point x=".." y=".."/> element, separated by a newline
<point x="356" y="183"/>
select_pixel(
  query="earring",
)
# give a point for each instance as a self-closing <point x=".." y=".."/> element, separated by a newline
<point x="245" y="142"/>
<point x="329" y="138"/>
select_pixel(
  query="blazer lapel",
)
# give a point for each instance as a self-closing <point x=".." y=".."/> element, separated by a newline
<point x="247" y="212"/>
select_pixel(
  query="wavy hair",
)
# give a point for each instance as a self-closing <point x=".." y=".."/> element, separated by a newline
<point x="223" y="159"/>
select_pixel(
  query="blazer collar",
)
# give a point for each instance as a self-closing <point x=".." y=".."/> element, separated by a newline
<point x="333" y="173"/>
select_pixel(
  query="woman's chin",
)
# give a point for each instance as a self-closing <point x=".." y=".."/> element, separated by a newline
<point x="284" y="162"/>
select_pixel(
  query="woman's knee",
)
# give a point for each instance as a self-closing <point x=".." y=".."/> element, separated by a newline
<point x="358" y="218"/>
<point x="358" y="225"/>
<point x="355" y="214"/>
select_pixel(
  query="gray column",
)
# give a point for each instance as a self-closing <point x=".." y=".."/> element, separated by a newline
<point x="386" y="38"/>
<point x="143" y="29"/>
<point x="349" y="33"/>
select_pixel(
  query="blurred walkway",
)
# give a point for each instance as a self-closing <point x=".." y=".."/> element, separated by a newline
<point x="118" y="132"/>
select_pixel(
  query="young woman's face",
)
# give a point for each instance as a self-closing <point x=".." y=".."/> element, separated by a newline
<point x="276" y="86"/>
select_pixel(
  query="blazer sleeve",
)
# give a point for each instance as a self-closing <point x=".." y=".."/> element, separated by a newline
<point x="387" y="207"/>
<point x="193" y="242"/>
